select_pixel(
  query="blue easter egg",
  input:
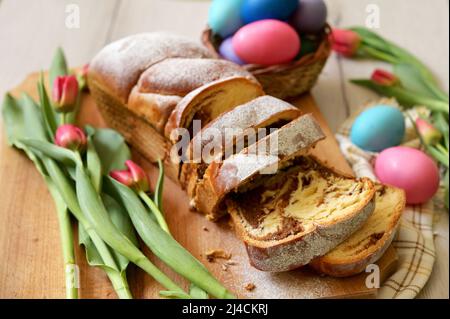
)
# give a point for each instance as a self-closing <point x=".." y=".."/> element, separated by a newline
<point x="378" y="128"/>
<point x="224" y="17"/>
<point x="254" y="10"/>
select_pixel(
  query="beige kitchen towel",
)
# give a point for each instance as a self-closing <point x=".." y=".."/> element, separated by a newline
<point x="414" y="242"/>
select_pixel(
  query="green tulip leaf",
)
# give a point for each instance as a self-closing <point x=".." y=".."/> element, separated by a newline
<point x="121" y="220"/>
<point x="58" y="66"/>
<point x="372" y="39"/>
<point x="53" y="151"/>
<point x="94" y="165"/>
<point x="403" y="96"/>
<point x="162" y="244"/>
<point x="111" y="148"/>
<point x="441" y="123"/>
<point x="375" y="46"/>
<point x="412" y="79"/>
<point x="22" y="119"/>
<point x="94" y="209"/>
<point x="48" y="113"/>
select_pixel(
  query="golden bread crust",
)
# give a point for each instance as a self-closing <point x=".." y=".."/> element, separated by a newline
<point x="209" y="101"/>
<point x="220" y="179"/>
<point x="117" y="67"/>
<point x="367" y="245"/>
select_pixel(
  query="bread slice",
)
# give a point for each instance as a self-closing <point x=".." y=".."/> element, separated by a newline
<point x="209" y="101"/>
<point x="162" y="86"/>
<point x="244" y="121"/>
<point x="370" y="242"/>
<point x="118" y="66"/>
<point x="302" y="212"/>
<point x="263" y="157"/>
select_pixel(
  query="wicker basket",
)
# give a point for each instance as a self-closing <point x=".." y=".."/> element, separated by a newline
<point x="287" y="80"/>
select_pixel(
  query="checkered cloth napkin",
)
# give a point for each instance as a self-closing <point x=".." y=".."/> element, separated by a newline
<point x="414" y="242"/>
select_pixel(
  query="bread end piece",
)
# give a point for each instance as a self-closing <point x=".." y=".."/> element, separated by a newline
<point x="299" y="252"/>
<point x="371" y="241"/>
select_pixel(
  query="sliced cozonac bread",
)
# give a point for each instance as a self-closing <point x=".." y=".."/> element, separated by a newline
<point x="230" y="133"/>
<point x="209" y="101"/>
<point x="263" y="157"/>
<point x="162" y="86"/>
<point x="370" y="242"/>
<point x="300" y="213"/>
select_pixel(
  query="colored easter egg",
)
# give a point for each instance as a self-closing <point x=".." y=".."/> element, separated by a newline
<point x="409" y="169"/>
<point x="310" y="16"/>
<point x="378" y="128"/>
<point x="226" y="50"/>
<point x="254" y="10"/>
<point x="224" y="17"/>
<point x="309" y="45"/>
<point x="266" y="42"/>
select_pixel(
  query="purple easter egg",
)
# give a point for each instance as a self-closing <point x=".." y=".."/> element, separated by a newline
<point x="310" y="17"/>
<point x="226" y="50"/>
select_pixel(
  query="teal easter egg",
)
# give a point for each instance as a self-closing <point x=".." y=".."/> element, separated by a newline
<point x="378" y="128"/>
<point x="224" y="17"/>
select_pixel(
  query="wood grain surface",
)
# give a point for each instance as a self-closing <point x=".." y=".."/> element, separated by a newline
<point x="29" y="239"/>
<point x="31" y="30"/>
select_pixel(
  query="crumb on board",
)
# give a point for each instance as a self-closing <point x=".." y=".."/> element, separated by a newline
<point x="224" y="267"/>
<point x="230" y="263"/>
<point x="205" y="228"/>
<point x="212" y="255"/>
<point x="250" y="287"/>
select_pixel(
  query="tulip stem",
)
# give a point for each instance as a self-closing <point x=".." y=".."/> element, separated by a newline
<point x="68" y="254"/>
<point x="374" y="53"/>
<point x="441" y="148"/>
<point x="155" y="210"/>
<point x="66" y="234"/>
<point x="120" y="284"/>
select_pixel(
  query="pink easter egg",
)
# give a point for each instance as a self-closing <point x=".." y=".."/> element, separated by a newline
<point x="409" y="169"/>
<point x="266" y="42"/>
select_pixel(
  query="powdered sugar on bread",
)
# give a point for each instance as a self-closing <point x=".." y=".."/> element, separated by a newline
<point x="117" y="67"/>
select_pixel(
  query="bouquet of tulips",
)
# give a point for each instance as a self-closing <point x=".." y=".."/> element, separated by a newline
<point x="411" y="83"/>
<point x="85" y="173"/>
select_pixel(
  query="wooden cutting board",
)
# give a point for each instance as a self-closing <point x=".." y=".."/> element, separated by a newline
<point x="32" y="265"/>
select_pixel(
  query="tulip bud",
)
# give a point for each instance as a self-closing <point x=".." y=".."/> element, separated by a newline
<point x="65" y="93"/>
<point x="123" y="177"/>
<point x="134" y="177"/>
<point x="82" y="77"/>
<point x="385" y="78"/>
<point x="71" y="137"/>
<point x="345" y="42"/>
<point x="430" y="135"/>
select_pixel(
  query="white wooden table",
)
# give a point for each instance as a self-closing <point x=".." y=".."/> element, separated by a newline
<point x="31" y="30"/>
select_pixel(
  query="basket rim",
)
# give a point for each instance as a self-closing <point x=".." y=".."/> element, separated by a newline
<point x="322" y="53"/>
